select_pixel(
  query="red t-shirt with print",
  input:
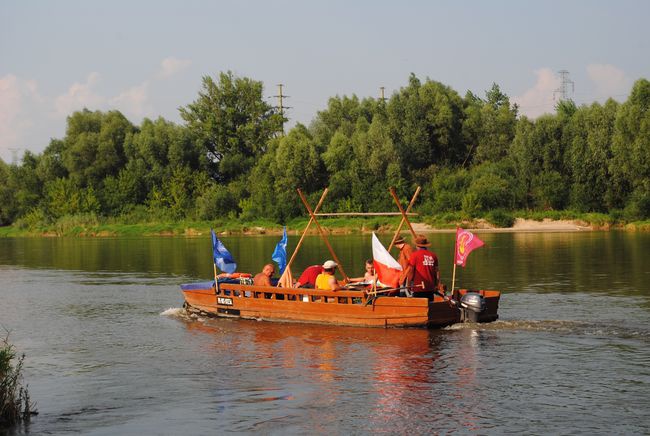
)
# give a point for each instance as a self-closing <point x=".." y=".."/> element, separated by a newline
<point x="425" y="264"/>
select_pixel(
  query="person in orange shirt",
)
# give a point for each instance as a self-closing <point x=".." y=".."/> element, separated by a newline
<point x="405" y="251"/>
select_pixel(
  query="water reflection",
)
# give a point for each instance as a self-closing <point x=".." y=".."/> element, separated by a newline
<point x="416" y="378"/>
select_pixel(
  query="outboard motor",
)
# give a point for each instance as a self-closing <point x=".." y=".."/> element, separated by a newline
<point x="472" y="304"/>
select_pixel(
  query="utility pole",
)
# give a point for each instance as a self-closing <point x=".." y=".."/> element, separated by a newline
<point x="280" y="106"/>
<point x="381" y="92"/>
<point x="563" y="90"/>
<point x="14" y="155"/>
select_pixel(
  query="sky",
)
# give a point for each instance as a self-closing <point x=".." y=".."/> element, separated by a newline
<point x="146" y="58"/>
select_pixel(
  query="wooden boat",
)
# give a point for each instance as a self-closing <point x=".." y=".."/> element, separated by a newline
<point x="364" y="306"/>
<point x="346" y="307"/>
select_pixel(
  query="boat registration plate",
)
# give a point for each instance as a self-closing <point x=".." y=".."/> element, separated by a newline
<point x="224" y="301"/>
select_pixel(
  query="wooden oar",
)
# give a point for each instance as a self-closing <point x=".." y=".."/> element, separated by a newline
<point x="373" y="294"/>
<point x="383" y="291"/>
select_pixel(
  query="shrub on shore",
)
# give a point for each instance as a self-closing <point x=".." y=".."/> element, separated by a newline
<point x="15" y="404"/>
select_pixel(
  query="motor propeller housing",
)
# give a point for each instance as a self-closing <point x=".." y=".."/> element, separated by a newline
<point x="472" y="304"/>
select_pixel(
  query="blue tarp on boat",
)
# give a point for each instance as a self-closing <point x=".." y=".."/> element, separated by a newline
<point x="208" y="285"/>
<point x="201" y="285"/>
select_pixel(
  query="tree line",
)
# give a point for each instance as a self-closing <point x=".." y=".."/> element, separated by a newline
<point x="472" y="155"/>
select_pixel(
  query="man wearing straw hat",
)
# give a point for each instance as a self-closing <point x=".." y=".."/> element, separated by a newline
<point x="423" y="269"/>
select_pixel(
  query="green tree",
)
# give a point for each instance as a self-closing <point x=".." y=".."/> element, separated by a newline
<point x="297" y="164"/>
<point x="25" y="184"/>
<point x="232" y="122"/>
<point x="538" y="155"/>
<point x="590" y="133"/>
<point x="446" y="190"/>
<point x="490" y="188"/>
<point x="7" y="198"/>
<point x="426" y="123"/>
<point x="497" y="127"/>
<point x="94" y="146"/>
<point x="217" y="201"/>
<point x="630" y="163"/>
<point x="63" y="197"/>
<point x="341" y="115"/>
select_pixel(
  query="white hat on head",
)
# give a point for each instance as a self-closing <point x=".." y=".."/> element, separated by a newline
<point x="330" y="264"/>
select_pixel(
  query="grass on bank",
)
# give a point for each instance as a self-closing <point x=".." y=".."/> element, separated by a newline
<point x="91" y="225"/>
<point x="15" y="404"/>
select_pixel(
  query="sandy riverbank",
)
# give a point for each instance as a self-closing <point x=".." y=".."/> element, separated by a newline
<point x="520" y="225"/>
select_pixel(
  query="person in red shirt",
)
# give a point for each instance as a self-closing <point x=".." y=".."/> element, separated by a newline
<point x="308" y="277"/>
<point x="423" y="269"/>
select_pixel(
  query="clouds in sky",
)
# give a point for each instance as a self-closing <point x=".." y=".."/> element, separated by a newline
<point x="606" y="80"/>
<point x="539" y="99"/>
<point x="171" y="66"/>
<point x="26" y="115"/>
<point x="78" y="96"/>
<point x="609" y="80"/>
<point x="134" y="101"/>
<point x="19" y="98"/>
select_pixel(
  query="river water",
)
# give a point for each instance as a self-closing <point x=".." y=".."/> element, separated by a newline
<point x="109" y="351"/>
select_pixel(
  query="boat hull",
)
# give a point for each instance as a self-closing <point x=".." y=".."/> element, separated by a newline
<point x="352" y="308"/>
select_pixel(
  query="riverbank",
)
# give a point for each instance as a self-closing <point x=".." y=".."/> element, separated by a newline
<point x="95" y="227"/>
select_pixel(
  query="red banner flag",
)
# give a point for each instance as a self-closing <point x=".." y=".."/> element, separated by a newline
<point x="465" y="243"/>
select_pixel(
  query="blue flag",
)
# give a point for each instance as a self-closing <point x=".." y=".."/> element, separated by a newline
<point x="280" y="253"/>
<point x="222" y="257"/>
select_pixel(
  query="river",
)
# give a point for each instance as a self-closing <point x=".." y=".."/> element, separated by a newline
<point x="110" y="351"/>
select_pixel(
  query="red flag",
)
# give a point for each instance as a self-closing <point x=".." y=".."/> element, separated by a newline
<point x="465" y="243"/>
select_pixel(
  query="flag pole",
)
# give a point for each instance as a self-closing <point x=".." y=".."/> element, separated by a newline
<point x="453" y="275"/>
<point x="214" y="261"/>
<point x="453" y="278"/>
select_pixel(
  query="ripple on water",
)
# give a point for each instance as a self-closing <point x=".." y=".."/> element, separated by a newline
<point x="560" y="326"/>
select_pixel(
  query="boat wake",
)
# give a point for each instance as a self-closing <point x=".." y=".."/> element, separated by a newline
<point x="560" y="326"/>
<point x="174" y="311"/>
<point x="182" y="314"/>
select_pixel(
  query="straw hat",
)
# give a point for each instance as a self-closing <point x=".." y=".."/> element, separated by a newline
<point x="330" y="264"/>
<point x="421" y="241"/>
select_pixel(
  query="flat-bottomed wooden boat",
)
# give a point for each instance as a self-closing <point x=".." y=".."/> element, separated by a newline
<point x="346" y="307"/>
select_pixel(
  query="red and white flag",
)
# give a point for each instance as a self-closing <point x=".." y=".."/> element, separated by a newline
<point x="387" y="268"/>
<point x="465" y="243"/>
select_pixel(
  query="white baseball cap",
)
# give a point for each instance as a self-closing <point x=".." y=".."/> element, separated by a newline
<point x="330" y="264"/>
